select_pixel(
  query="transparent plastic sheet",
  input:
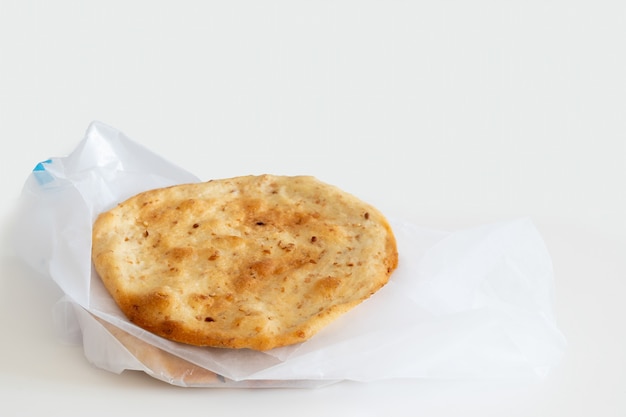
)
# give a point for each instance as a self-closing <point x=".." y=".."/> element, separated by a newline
<point x="473" y="303"/>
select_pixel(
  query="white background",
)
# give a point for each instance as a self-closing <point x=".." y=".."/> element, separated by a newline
<point x="452" y="113"/>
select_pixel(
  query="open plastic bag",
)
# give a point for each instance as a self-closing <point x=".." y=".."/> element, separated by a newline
<point x="473" y="303"/>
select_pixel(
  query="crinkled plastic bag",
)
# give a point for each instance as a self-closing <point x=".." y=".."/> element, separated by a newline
<point x="473" y="303"/>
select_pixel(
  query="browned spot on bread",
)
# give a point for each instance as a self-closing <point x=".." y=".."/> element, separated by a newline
<point x="179" y="254"/>
<point x="326" y="287"/>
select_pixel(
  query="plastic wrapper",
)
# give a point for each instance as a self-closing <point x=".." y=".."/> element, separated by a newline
<point x="469" y="304"/>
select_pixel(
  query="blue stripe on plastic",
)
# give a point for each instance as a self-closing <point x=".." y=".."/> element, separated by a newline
<point x="40" y="166"/>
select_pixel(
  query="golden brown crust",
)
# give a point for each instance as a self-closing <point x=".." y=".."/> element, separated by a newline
<point x="248" y="262"/>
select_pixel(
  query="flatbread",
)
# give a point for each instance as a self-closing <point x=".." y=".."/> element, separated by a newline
<point x="161" y="364"/>
<point x="248" y="262"/>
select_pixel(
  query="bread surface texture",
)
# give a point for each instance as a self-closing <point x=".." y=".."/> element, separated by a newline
<point x="252" y="262"/>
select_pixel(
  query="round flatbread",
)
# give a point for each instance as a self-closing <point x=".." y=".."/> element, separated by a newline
<point x="249" y="262"/>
